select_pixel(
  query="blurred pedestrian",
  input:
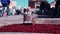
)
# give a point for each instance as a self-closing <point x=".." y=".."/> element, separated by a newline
<point x="5" y="3"/>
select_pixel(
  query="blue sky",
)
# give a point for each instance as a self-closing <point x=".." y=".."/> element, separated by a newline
<point x="49" y="1"/>
<point x="22" y="3"/>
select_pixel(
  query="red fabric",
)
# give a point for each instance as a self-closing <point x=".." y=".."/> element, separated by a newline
<point x="37" y="28"/>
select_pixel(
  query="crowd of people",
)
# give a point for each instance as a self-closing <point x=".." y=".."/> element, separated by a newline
<point x="5" y="9"/>
<point x="47" y="11"/>
<point x="43" y="9"/>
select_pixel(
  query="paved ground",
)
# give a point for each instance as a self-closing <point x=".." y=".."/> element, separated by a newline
<point x="9" y="20"/>
<point x="23" y="33"/>
<point x="47" y="21"/>
<point x="18" y="19"/>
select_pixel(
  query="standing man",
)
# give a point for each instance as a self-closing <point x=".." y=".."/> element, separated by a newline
<point x="5" y="3"/>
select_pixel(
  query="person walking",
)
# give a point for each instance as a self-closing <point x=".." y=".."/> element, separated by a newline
<point x="5" y="3"/>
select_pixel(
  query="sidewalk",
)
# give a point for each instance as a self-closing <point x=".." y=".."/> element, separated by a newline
<point x="9" y="20"/>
